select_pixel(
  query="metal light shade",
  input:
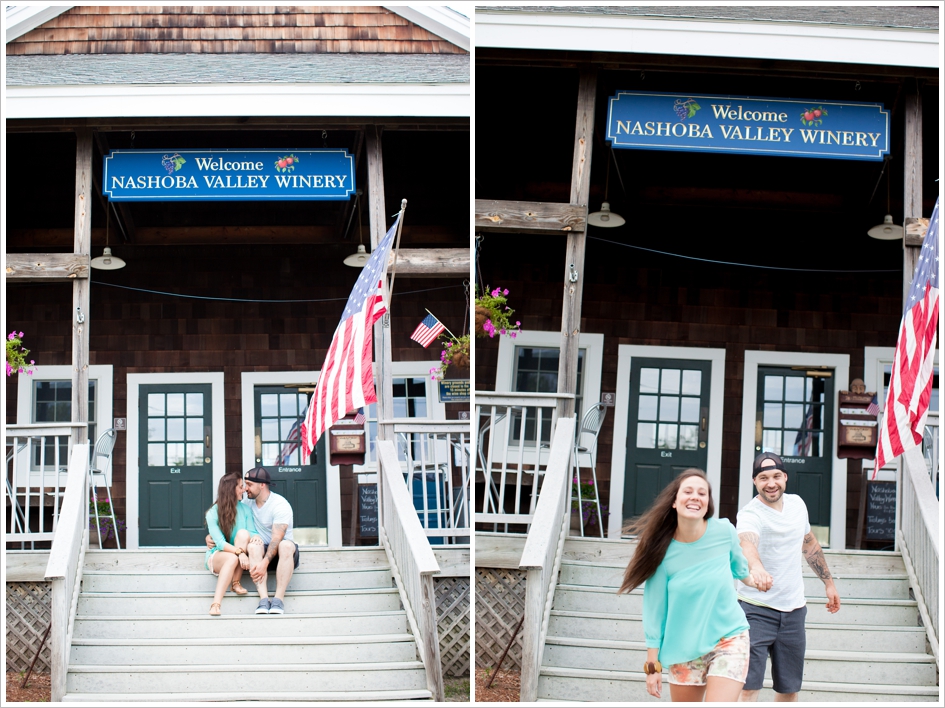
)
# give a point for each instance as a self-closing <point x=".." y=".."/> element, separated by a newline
<point x="887" y="231"/>
<point x="357" y="260"/>
<point x="107" y="261"/>
<point x="605" y="217"/>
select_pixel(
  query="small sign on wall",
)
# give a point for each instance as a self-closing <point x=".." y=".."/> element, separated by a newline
<point x="608" y="399"/>
<point x="454" y="391"/>
<point x="119" y="424"/>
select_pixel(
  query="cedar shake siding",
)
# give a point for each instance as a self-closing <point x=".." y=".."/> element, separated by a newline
<point x="228" y="30"/>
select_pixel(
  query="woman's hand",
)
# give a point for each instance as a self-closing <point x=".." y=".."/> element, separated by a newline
<point x="654" y="684"/>
<point x="244" y="561"/>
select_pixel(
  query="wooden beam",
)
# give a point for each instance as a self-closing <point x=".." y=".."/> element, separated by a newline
<point x="912" y="183"/>
<point x="143" y="124"/>
<point x="574" y="258"/>
<point x="227" y="235"/>
<point x="433" y="262"/>
<point x="915" y="230"/>
<point x="529" y="217"/>
<point x="80" y="287"/>
<point x="48" y="267"/>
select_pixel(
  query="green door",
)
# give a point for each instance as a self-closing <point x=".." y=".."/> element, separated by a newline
<point x="793" y="419"/>
<point x="175" y="484"/>
<point x="668" y="424"/>
<point x="278" y="414"/>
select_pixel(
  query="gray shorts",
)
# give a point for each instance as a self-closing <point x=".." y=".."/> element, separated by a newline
<point x="782" y="635"/>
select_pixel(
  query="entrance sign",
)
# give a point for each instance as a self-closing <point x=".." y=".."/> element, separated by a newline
<point x="224" y="175"/>
<point x="751" y="126"/>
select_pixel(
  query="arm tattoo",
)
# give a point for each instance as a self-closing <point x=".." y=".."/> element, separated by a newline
<point x="750" y="536"/>
<point x="277" y="530"/>
<point x="815" y="557"/>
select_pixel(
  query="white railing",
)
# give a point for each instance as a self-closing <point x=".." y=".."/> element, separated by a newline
<point x="435" y="457"/>
<point x="541" y="557"/>
<point x="513" y="432"/>
<point x="64" y="568"/>
<point x="411" y="559"/>
<point x="919" y="540"/>
<point x="37" y="459"/>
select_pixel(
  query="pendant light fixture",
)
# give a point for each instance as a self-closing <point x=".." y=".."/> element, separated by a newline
<point x="605" y="218"/>
<point x="361" y="256"/>
<point x="886" y="231"/>
<point x="107" y="261"/>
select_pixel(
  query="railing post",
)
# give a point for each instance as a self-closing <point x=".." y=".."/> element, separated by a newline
<point x="58" y="651"/>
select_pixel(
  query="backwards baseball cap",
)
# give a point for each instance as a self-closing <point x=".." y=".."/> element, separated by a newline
<point x="258" y="474"/>
<point x="756" y="467"/>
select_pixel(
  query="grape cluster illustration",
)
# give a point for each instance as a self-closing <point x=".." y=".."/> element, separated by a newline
<point x="686" y="109"/>
<point x="172" y="163"/>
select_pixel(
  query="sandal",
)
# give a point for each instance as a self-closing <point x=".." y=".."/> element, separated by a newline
<point x="215" y="609"/>
<point x="237" y="588"/>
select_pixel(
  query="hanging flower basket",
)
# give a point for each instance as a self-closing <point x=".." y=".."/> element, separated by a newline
<point x="494" y="316"/>
<point x="16" y="355"/>
<point x="454" y="359"/>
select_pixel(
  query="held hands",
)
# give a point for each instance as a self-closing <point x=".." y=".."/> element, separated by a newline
<point x="761" y="580"/>
<point x="654" y="684"/>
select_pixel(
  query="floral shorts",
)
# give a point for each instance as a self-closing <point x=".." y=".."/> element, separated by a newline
<point x="728" y="659"/>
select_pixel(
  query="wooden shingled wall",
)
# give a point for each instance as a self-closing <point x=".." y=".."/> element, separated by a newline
<point x="229" y="29"/>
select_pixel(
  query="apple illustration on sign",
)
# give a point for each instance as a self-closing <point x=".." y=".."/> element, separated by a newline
<point x="286" y="164"/>
<point x="813" y="116"/>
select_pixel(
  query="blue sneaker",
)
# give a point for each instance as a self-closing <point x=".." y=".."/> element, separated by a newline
<point x="276" y="607"/>
<point x="263" y="607"/>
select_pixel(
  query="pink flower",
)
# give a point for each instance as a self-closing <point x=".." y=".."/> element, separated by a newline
<point x="505" y="292"/>
<point x="21" y="335"/>
<point x="11" y="336"/>
<point x="518" y="324"/>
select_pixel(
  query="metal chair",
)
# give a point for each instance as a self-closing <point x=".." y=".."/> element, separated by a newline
<point x="98" y="470"/>
<point x="591" y="425"/>
<point x="491" y="495"/>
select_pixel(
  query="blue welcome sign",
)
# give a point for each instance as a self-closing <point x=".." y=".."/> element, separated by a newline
<point x="224" y="175"/>
<point x="751" y="126"/>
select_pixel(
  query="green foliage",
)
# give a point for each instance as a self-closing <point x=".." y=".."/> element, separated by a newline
<point x="16" y="355"/>
<point x="498" y="315"/>
<point x="453" y="348"/>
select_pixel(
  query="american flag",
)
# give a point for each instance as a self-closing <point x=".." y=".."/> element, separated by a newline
<point x="805" y="438"/>
<point x="910" y="384"/>
<point x="291" y="444"/>
<point x="346" y="381"/>
<point x="873" y="407"/>
<point x="427" y="331"/>
<point x="359" y="417"/>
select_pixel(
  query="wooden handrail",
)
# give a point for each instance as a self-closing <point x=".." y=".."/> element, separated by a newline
<point x="541" y="556"/>
<point x="64" y="568"/>
<point x="412" y="561"/>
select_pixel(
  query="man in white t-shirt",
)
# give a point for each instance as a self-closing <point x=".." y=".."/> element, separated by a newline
<point x="773" y="528"/>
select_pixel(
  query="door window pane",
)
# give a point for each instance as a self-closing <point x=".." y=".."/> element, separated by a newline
<point x="155" y="404"/>
<point x="692" y="382"/>
<point x="794" y="389"/>
<point x="774" y="388"/>
<point x="268" y="404"/>
<point x="155" y="455"/>
<point x="649" y="380"/>
<point x="647" y="407"/>
<point x="771" y="441"/>
<point x="195" y="404"/>
<point x="194" y="454"/>
<point x="688" y="437"/>
<point x="175" y="428"/>
<point x="646" y="435"/>
<point x="772" y="415"/>
<point x="156" y="430"/>
<point x="689" y="410"/>
<point x="175" y="404"/>
<point x="194" y="428"/>
<point x="669" y="383"/>
<point x="667" y="437"/>
<point x="669" y="408"/>
<point x="175" y="454"/>
<point x="793" y="415"/>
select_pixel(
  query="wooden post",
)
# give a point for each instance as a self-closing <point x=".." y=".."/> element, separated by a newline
<point x="574" y="260"/>
<point x="80" y="287"/>
<point x="378" y="222"/>
<point x="912" y="184"/>
<point x="535" y="580"/>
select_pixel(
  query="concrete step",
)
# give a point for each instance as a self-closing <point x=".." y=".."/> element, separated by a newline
<point x="580" y="598"/>
<point x="255" y="694"/>
<point x="866" y="668"/>
<point x="867" y="586"/>
<point x="590" y="625"/>
<point x="235" y="650"/>
<point x="174" y="559"/>
<point x="205" y="626"/>
<point x="194" y="603"/>
<point x="577" y="685"/>
<point x="203" y="582"/>
<point x="85" y="678"/>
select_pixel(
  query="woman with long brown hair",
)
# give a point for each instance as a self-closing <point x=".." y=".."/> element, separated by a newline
<point x="231" y="526"/>
<point x="692" y="621"/>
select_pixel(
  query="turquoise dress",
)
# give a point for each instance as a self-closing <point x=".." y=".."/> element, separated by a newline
<point x="689" y="603"/>
<point x="244" y="520"/>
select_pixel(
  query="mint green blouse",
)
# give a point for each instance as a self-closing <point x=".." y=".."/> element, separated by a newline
<point x="244" y="520"/>
<point x="689" y="603"/>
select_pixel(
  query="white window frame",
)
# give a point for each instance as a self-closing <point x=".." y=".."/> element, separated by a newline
<point x="874" y="361"/>
<point x="840" y="363"/>
<point x="618" y="463"/>
<point x="102" y="374"/>
<point x="218" y="423"/>
<point x="591" y="343"/>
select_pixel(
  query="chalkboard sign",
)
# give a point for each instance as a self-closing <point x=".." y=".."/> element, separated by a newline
<point x="367" y="509"/>
<point x="881" y="511"/>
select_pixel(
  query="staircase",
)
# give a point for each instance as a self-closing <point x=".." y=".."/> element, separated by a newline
<point x="143" y="633"/>
<point x="873" y="649"/>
